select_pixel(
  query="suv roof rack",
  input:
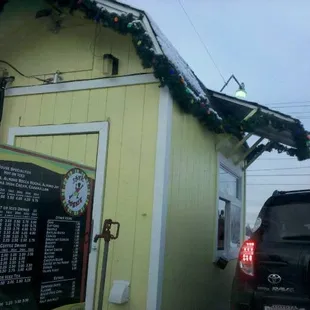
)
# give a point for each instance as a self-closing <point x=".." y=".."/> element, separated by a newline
<point x="277" y="193"/>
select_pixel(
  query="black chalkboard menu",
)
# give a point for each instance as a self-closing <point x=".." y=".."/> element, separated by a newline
<point x="45" y="224"/>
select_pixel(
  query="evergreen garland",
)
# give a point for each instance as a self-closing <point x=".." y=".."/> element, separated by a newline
<point x="164" y="70"/>
<point x="299" y="134"/>
<point x="271" y="146"/>
<point x="2" y="4"/>
<point x="190" y="102"/>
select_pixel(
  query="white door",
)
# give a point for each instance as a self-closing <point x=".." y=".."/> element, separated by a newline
<point x="80" y="143"/>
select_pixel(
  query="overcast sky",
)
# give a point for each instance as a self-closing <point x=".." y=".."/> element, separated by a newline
<point x="266" y="45"/>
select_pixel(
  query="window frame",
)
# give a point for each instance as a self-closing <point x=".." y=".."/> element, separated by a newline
<point x="229" y="252"/>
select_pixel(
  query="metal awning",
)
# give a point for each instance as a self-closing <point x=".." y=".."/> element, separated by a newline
<point x="282" y="131"/>
<point x="241" y="110"/>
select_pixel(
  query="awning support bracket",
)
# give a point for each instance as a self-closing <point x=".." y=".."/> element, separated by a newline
<point x="241" y="142"/>
<point x="247" y="165"/>
<point x="241" y="158"/>
<point x="251" y="114"/>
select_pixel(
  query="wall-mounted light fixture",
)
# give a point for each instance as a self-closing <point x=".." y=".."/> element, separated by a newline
<point x="240" y="92"/>
<point x="110" y="64"/>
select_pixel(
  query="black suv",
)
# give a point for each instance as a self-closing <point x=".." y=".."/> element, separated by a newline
<point x="273" y="270"/>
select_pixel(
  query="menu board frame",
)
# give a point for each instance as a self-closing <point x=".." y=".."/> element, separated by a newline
<point x="67" y="168"/>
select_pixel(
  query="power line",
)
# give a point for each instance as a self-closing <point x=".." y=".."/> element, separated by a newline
<point x="302" y="118"/>
<point x="288" y="107"/>
<point x="299" y="116"/>
<point x="274" y="184"/>
<point x="271" y="169"/>
<point x="289" y="102"/>
<point x="277" y="175"/>
<point x="289" y="158"/>
<point x="298" y="112"/>
<point x="277" y="184"/>
<point x="200" y="38"/>
<point x="273" y="104"/>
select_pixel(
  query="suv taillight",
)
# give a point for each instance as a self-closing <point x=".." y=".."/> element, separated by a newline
<point x="246" y="257"/>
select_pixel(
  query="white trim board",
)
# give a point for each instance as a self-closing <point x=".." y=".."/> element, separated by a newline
<point x="127" y="80"/>
<point x="101" y="128"/>
<point x="160" y="201"/>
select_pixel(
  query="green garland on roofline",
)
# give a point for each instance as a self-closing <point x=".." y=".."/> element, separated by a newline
<point x="2" y="4"/>
<point x="270" y="146"/>
<point x="300" y="135"/>
<point x="187" y="99"/>
<point x="164" y="70"/>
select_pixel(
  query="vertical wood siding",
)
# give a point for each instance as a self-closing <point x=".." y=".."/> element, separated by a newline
<point x="190" y="279"/>
<point x="132" y="112"/>
<point x="76" y="51"/>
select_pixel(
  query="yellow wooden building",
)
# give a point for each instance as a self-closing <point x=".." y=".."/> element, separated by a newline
<point x="168" y="159"/>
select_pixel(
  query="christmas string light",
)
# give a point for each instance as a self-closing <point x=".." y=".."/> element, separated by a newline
<point x="183" y="93"/>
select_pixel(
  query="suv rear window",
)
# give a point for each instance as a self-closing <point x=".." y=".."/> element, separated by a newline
<point x="287" y="222"/>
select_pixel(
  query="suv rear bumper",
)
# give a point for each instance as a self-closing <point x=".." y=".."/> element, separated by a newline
<point x="245" y="297"/>
<point x="260" y="300"/>
<point x="257" y="301"/>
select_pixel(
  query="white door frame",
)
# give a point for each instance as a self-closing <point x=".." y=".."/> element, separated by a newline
<point x="236" y="170"/>
<point x="100" y="128"/>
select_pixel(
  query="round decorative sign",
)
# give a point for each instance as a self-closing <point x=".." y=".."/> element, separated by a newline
<point x="75" y="192"/>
